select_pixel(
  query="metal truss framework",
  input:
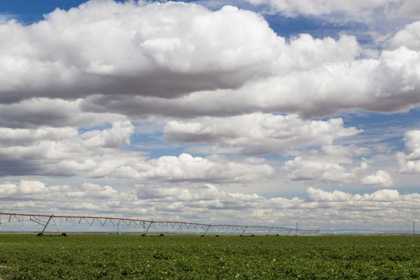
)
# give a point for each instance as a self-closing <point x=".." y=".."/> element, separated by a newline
<point x="147" y="227"/>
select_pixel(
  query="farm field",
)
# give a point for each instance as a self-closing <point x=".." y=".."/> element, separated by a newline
<point x="81" y="256"/>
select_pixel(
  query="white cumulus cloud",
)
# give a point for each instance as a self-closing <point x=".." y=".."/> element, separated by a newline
<point x="380" y="178"/>
<point x="189" y="168"/>
<point x="409" y="160"/>
<point x="258" y="133"/>
<point x="134" y="49"/>
<point x="308" y="170"/>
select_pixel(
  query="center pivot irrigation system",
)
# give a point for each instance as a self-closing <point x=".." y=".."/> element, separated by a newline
<point x="143" y="227"/>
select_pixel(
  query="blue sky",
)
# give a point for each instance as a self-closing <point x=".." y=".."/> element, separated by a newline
<point x="182" y="108"/>
<point x="33" y="11"/>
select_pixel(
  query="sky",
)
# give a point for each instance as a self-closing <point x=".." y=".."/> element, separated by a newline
<point x="265" y="112"/>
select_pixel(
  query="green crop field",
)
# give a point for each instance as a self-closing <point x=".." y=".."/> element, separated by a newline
<point x="191" y="257"/>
